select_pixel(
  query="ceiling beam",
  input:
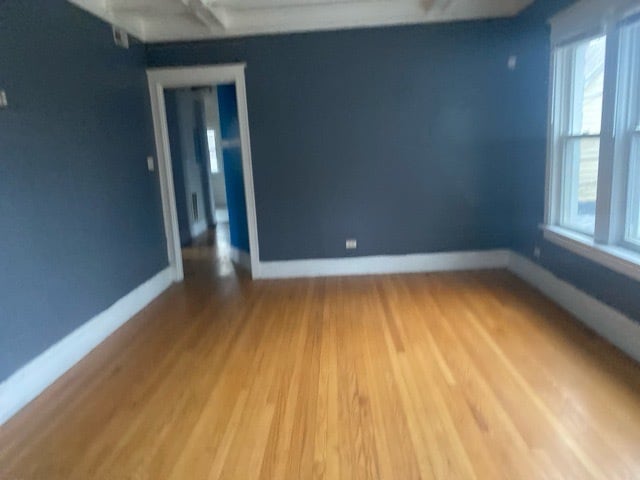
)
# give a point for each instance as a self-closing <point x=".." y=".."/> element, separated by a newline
<point x="441" y="4"/>
<point x="243" y="5"/>
<point x="132" y="26"/>
<point x="145" y="7"/>
<point x="211" y="16"/>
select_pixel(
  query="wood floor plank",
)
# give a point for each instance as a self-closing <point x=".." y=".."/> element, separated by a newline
<point x="466" y="375"/>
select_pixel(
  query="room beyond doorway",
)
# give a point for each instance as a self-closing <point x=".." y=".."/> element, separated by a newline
<point x="228" y="81"/>
<point x="203" y="128"/>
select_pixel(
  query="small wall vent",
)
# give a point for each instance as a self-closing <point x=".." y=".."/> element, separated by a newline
<point x="120" y="37"/>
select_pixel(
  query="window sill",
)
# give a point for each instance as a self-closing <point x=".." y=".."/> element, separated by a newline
<point x="618" y="259"/>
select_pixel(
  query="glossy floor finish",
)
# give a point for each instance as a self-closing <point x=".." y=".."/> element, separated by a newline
<point x="432" y="376"/>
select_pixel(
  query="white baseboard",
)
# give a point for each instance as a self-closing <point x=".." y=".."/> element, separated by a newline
<point x="422" y="262"/>
<point x="240" y="257"/>
<point x="34" y="377"/>
<point x="603" y="319"/>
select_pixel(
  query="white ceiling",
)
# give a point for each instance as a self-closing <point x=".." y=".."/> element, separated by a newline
<point x="175" y="20"/>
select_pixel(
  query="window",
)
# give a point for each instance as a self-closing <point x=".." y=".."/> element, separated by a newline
<point x="632" y="233"/>
<point x="593" y="190"/>
<point x="213" y="153"/>
<point x="629" y="74"/>
<point x="580" y="84"/>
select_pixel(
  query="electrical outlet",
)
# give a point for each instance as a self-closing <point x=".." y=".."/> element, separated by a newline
<point x="512" y="63"/>
<point x="3" y="99"/>
<point x="536" y="252"/>
<point x="150" y="164"/>
<point x="351" y="244"/>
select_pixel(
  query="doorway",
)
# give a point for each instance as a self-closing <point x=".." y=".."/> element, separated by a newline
<point x="218" y="153"/>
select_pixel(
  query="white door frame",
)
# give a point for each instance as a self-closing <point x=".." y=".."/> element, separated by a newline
<point x="180" y="77"/>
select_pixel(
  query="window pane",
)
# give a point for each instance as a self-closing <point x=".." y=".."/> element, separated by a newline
<point x="633" y="206"/>
<point x="629" y="72"/>
<point x="588" y="85"/>
<point x="213" y="155"/>
<point x="580" y="184"/>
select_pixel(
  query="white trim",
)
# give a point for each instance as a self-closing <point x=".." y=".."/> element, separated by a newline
<point x="619" y="259"/>
<point x="421" y="262"/>
<point x="180" y="77"/>
<point x="34" y="377"/>
<point x="240" y="257"/>
<point x="165" y="173"/>
<point x="549" y="177"/>
<point x="587" y="17"/>
<point x="606" y="321"/>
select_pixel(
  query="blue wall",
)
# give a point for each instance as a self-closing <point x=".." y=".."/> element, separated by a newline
<point x="232" y="160"/>
<point x="411" y="139"/>
<point x="81" y="215"/>
<point x="400" y="137"/>
<point x="531" y="100"/>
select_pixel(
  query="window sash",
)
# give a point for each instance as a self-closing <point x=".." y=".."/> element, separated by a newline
<point x="566" y="108"/>
<point x="631" y="237"/>
<point x="627" y="137"/>
<point x="563" y="195"/>
<point x="571" y="160"/>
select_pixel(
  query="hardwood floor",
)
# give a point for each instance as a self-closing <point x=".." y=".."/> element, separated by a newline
<point x="433" y="376"/>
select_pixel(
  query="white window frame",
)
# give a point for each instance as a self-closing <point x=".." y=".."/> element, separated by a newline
<point x="561" y="133"/>
<point x="632" y="220"/>
<point x="628" y="123"/>
<point x="609" y="244"/>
